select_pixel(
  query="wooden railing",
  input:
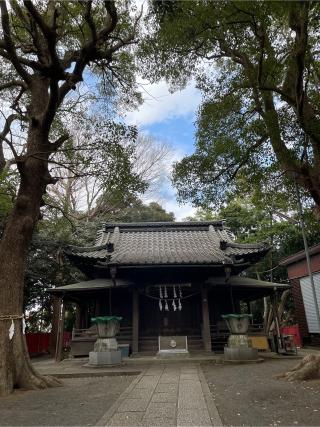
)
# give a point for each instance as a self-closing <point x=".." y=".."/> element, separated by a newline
<point x="125" y="331"/>
<point x="220" y="334"/>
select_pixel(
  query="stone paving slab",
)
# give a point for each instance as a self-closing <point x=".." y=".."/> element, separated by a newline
<point x="155" y="422"/>
<point x="139" y="393"/>
<point x="134" y="405"/>
<point x="149" y="382"/>
<point x="126" y="419"/>
<point x="193" y="417"/>
<point x="167" y="388"/>
<point x="165" y="396"/>
<point x="168" y="378"/>
<point x="161" y="410"/>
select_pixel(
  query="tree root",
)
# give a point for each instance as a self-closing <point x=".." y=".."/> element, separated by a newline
<point x="38" y="381"/>
<point x="31" y="379"/>
<point x="307" y="369"/>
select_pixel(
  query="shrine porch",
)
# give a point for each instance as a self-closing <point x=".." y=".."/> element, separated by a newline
<point x="144" y="319"/>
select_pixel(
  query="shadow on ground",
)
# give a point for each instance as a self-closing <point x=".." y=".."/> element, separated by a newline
<point x="80" y="401"/>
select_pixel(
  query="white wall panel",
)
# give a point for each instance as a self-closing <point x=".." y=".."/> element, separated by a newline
<point x="309" y="303"/>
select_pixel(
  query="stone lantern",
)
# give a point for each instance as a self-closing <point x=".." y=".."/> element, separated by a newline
<point x="106" y="350"/>
<point x="239" y="346"/>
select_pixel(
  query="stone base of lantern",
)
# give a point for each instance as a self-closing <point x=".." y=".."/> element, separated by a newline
<point x="104" y="358"/>
<point x="239" y="340"/>
<point x="240" y="353"/>
<point x="105" y="353"/>
<point x="105" y="344"/>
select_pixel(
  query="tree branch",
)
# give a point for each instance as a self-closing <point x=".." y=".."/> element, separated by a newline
<point x="9" y="45"/>
<point x="13" y="83"/>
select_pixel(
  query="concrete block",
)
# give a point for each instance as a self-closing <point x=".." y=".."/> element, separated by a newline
<point x="103" y="358"/>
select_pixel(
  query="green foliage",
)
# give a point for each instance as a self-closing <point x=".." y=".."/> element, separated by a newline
<point x="139" y="212"/>
<point x="251" y="60"/>
<point x="251" y="223"/>
<point x="46" y="268"/>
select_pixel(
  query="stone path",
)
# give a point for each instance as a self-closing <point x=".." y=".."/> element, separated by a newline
<point x="165" y="395"/>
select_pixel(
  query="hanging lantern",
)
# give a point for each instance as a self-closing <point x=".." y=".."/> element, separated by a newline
<point x="160" y="304"/>
<point x="179" y="305"/>
<point x="160" y="292"/>
<point x="166" y="306"/>
<point x="165" y="292"/>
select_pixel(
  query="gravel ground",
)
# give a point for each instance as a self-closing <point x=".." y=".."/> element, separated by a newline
<point x="81" y="401"/>
<point x="250" y="395"/>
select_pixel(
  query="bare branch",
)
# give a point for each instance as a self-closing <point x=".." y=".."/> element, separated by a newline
<point x="13" y="83"/>
<point x="9" y="45"/>
<point x="46" y="30"/>
<point x="57" y="144"/>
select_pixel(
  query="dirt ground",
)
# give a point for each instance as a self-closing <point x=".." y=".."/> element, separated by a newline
<point x="81" y="401"/>
<point x="250" y="395"/>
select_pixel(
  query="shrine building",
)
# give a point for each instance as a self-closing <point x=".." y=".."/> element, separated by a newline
<point x="163" y="279"/>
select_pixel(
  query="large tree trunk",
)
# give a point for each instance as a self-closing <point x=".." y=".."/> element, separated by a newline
<point x="15" y="366"/>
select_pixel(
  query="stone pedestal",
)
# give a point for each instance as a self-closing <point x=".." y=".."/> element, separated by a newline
<point x="105" y="352"/>
<point x="240" y="340"/>
<point x="105" y="344"/>
<point x="239" y="346"/>
<point x="103" y="358"/>
<point x="240" y="353"/>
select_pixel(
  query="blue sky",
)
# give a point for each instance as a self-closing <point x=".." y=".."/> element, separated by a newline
<point x="170" y="118"/>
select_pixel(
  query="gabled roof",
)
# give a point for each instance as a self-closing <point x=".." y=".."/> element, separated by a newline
<point x="165" y="243"/>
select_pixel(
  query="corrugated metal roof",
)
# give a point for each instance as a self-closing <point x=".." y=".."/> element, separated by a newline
<point x="167" y="243"/>
<point x="301" y="255"/>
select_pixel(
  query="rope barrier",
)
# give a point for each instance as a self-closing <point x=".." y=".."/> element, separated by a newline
<point x="11" y="317"/>
<point x="170" y="299"/>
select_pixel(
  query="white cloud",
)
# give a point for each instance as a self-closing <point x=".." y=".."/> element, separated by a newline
<point x="161" y="105"/>
<point x="180" y="212"/>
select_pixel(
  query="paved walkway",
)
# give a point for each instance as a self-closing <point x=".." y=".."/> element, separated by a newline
<point x="165" y="395"/>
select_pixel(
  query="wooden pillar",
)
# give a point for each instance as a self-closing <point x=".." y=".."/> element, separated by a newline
<point x="56" y="304"/>
<point x="59" y="345"/>
<point x="135" y="321"/>
<point x="206" y="336"/>
<point x="77" y="323"/>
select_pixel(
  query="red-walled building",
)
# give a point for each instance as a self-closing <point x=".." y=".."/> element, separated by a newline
<point x="304" y="303"/>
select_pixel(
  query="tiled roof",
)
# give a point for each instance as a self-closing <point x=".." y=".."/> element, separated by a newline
<point x="167" y="243"/>
<point x="245" y="282"/>
<point x="90" y="284"/>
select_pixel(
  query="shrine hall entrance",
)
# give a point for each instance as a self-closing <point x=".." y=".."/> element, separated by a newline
<point x="170" y="317"/>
